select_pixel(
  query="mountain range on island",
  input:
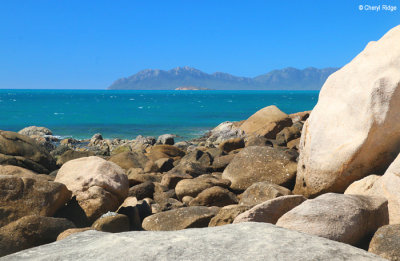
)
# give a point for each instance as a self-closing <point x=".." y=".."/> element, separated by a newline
<point x="285" y="79"/>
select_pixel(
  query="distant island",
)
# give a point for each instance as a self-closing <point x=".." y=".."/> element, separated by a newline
<point x="286" y="79"/>
<point x="192" y="88"/>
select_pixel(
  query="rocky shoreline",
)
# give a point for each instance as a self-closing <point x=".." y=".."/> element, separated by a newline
<point x="238" y="172"/>
<point x="320" y="185"/>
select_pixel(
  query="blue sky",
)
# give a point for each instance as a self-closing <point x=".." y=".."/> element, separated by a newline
<point x="89" y="44"/>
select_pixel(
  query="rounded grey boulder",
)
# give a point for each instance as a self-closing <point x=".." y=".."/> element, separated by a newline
<point x="245" y="241"/>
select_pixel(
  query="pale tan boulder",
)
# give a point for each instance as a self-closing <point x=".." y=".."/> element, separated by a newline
<point x="266" y="122"/>
<point x="362" y="186"/>
<point x="95" y="201"/>
<point x="345" y="218"/>
<point x="388" y="186"/>
<point x="354" y="130"/>
<point x="99" y="185"/>
<point x="271" y="210"/>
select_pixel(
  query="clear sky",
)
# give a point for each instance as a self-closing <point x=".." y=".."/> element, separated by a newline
<point x="88" y="44"/>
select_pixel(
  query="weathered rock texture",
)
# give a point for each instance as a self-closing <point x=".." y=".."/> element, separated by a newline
<point x="344" y="218"/>
<point x="245" y="241"/>
<point x="20" y="150"/>
<point x="354" y="130"/>
<point x="31" y="231"/>
<point x="21" y="197"/>
<point x="386" y="242"/>
<point x="260" y="163"/>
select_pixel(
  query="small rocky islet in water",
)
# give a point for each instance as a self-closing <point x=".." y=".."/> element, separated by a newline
<point x="331" y="174"/>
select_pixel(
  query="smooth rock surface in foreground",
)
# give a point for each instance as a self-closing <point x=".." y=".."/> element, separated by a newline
<point x="245" y="241"/>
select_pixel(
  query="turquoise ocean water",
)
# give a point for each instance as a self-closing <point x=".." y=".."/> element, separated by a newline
<point x="126" y="114"/>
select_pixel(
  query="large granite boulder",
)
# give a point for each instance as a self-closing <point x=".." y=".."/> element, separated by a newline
<point x="262" y="191"/>
<point x="99" y="185"/>
<point x="20" y="150"/>
<point x="261" y="163"/>
<point x="353" y="130"/>
<point x="245" y="241"/>
<point x="181" y="218"/>
<point x="386" y="242"/>
<point x="21" y="197"/>
<point x="345" y="218"/>
<point x="266" y="122"/>
<point x="271" y="210"/>
<point x="31" y="231"/>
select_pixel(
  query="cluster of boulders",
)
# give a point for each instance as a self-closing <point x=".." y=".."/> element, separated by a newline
<point x="142" y="184"/>
<point x="331" y="173"/>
